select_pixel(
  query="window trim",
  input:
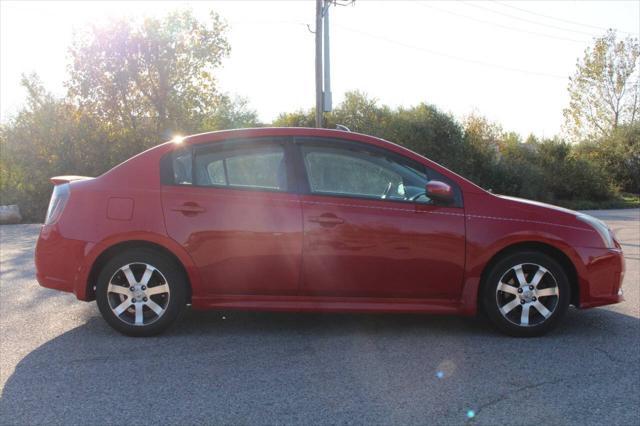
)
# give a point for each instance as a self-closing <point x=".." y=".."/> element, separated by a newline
<point x="431" y="174"/>
<point x="297" y="180"/>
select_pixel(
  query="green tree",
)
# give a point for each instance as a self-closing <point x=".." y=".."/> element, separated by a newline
<point x="230" y="114"/>
<point x="619" y="155"/>
<point x="518" y="171"/>
<point x="422" y="128"/>
<point x="48" y="137"/>
<point x="605" y="89"/>
<point x="155" y="78"/>
<point x="298" y="118"/>
<point x="360" y="113"/>
<point x="482" y="142"/>
<point x="429" y="132"/>
<point x="130" y="87"/>
<point x="567" y="175"/>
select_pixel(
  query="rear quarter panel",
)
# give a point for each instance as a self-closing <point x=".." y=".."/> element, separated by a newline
<point x="125" y="198"/>
<point x="122" y="205"/>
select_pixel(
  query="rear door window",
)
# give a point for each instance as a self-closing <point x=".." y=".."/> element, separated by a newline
<point x="243" y="164"/>
<point x="253" y="167"/>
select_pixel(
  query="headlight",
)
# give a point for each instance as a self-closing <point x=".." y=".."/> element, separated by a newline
<point x="56" y="205"/>
<point x="600" y="227"/>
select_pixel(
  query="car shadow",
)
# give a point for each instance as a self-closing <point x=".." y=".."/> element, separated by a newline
<point x="251" y="367"/>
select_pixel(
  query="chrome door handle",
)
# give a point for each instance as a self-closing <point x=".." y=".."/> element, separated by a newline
<point x="326" y="220"/>
<point x="189" y="209"/>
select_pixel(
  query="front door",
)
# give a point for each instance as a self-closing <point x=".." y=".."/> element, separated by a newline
<point x="370" y="231"/>
<point x="230" y="207"/>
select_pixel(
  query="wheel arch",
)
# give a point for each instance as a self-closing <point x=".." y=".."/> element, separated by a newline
<point x="551" y="251"/>
<point x="118" y="247"/>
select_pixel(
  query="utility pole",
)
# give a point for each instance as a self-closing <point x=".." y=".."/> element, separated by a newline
<point x="326" y="107"/>
<point x="319" y="102"/>
<point x="323" y="98"/>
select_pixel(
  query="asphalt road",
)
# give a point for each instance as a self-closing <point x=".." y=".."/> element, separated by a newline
<point x="61" y="363"/>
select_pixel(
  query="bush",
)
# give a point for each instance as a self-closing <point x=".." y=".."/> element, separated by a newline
<point x="619" y="155"/>
<point x="549" y="170"/>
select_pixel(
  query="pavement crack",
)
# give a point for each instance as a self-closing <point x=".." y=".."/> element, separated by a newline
<point x="510" y="394"/>
<point x="611" y="357"/>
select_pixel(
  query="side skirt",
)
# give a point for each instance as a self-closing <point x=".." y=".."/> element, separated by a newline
<point x="327" y="304"/>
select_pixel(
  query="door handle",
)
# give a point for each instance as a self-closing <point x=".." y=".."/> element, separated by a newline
<point x="189" y="209"/>
<point x="329" y="220"/>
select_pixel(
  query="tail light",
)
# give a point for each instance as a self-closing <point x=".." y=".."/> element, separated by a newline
<point x="58" y="201"/>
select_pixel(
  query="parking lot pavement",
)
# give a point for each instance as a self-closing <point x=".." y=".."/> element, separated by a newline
<point x="61" y="363"/>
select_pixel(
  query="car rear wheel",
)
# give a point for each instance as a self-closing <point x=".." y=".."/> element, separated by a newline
<point x="526" y="294"/>
<point x="140" y="292"/>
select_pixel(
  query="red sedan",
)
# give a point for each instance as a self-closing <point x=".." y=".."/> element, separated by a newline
<point x="292" y="219"/>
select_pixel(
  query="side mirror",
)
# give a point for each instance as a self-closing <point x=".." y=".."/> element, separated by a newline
<point x="439" y="191"/>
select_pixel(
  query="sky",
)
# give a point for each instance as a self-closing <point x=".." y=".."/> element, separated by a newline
<point x="507" y="60"/>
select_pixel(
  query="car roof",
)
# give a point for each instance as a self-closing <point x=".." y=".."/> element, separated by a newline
<point x="273" y="131"/>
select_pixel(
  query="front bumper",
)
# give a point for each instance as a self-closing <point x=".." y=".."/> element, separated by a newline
<point x="59" y="261"/>
<point x="602" y="276"/>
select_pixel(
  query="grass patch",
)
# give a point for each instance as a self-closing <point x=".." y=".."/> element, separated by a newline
<point x="624" y="200"/>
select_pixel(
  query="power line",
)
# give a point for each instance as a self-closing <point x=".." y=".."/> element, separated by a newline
<point x="500" y="25"/>
<point x="447" y="55"/>
<point x="567" y="21"/>
<point x="527" y="20"/>
<point x="420" y="48"/>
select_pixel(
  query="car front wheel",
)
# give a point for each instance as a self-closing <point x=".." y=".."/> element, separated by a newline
<point x="526" y="294"/>
<point x="140" y="292"/>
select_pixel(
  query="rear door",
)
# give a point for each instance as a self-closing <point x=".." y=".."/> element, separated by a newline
<point x="369" y="230"/>
<point x="230" y="206"/>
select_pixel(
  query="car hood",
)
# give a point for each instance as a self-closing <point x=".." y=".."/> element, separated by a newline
<point x="538" y="204"/>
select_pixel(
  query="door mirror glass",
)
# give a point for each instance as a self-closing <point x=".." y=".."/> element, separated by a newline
<point x="439" y="191"/>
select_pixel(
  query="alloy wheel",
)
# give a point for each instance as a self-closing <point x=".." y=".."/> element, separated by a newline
<point x="527" y="294"/>
<point x="138" y="294"/>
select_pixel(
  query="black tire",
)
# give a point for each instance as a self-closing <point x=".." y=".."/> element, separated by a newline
<point x="163" y="273"/>
<point x="525" y="302"/>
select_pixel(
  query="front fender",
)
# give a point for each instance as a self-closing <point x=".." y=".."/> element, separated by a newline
<point x="479" y="257"/>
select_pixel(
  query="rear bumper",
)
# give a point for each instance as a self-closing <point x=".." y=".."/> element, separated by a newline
<point x="59" y="262"/>
<point x="601" y="279"/>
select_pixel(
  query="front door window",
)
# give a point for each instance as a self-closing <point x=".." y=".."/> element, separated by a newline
<point x="349" y="172"/>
